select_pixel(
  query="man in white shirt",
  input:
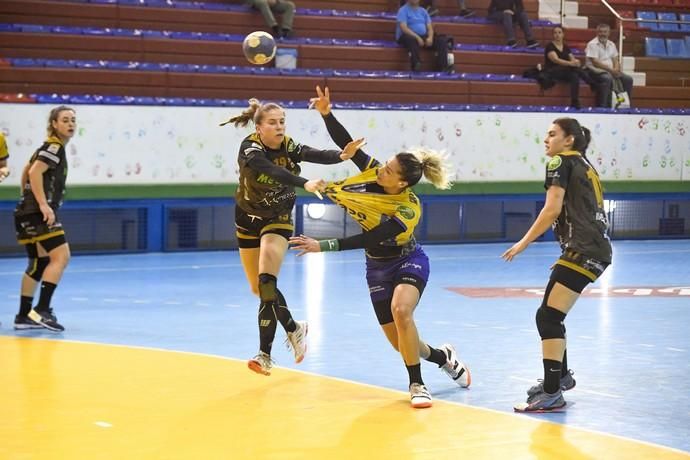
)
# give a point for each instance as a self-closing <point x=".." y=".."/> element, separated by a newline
<point x="602" y="62"/>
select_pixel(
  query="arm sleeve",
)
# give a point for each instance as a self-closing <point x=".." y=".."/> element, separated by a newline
<point x="341" y="137"/>
<point x="324" y="157"/>
<point x="282" y="175"/>
<point x="373" y="237"/>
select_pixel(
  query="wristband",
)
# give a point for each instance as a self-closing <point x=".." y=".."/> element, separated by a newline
<point x="329" y="245"/>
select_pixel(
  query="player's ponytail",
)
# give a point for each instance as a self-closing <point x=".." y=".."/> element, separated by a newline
<point x="426" y="162"/>
<point x="255" y="113"/>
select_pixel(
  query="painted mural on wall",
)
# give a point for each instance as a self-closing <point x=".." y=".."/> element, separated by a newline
<point x="149" y="145"/>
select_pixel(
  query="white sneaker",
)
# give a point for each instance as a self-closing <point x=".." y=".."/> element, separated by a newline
<point x="455" y="369"/>
<point x="261" y="363"/>
<point x="419" y="396"/>
<point x="297" y="340"/>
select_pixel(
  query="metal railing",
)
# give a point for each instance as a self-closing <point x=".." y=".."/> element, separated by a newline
<point x="620" y="21"/>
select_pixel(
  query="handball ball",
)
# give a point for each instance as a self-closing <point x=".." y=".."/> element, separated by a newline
<point x="259" y="47"/>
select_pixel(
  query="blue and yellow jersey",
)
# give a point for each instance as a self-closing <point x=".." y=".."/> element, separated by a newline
<point x="367" y="203"/>
<point x="4" y="153"/>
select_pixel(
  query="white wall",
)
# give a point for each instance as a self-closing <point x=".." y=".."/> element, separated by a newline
<point x="145" y="145"/>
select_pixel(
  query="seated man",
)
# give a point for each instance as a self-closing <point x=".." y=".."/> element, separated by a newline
<point x="268" y="7"/>
<point x="508" y="12"/>
<point x="414" y="31"/>
<point x="603" y="67"/>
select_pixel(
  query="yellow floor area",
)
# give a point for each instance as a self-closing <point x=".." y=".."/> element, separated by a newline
<point x="63" y="400"/>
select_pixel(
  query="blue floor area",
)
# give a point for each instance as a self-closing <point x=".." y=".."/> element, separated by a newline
<point x="630" y="351"/>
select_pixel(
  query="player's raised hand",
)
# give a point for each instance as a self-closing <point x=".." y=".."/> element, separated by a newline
<point x="351" y="148"/>
<point x="322" y="101"/>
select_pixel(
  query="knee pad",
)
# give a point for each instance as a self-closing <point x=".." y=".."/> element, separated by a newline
<point x="268" y="287"/>
<point x="550" y="323"/>
<point x="36" y="267"/>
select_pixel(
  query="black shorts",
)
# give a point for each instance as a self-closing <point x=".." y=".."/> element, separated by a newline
<point x="250" y="228"/>
<point x="576" y="270"/>
<point x="31" y="229"/>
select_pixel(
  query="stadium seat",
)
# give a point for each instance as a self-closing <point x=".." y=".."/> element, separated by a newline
<point x="667" y="16"/>
<point x="676" y="48"/>
<point x="647" y="15"/>
<point x="685" y="17"/>
<point x="655" y="47"/>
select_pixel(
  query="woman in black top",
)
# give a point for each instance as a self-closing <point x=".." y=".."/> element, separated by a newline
<point x="574" y="207"/>
<point x="269" y="170"/>
<point x="37" y="225"/>
<point x="561" y="65"/>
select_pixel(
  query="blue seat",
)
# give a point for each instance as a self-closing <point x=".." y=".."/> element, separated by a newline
<point x="184" y="35"/>
<point x="25" y="62"/>
<point x="667" y="16"/>
<point x="647" y="15"/>
<point x="89" y="64"/>
<point x="153" y="66"/>
<point x="116" y="100"/>
<point x="687" y="42"/>
<point x="35" y="28"/>
<point x="654" y="47"/>
<point x="58" y="63"/>
<point x="324" y="73"/>
<point x="121" y="65"/>
<point x="685" y="17"/>
<point x="51" y="99"/>
<point x="143" y="100"/>
<point x="186" y="68"/>
<point x="187" y="5"/>
<point x="675" y="48"/>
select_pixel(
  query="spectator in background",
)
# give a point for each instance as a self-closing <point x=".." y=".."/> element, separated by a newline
<point x="561" y="65"/>
<point x="507" y="13"/>
<point x="268" y="7"/>
<point x="432" y="8"/>
<point x="603" y="66"/>
<point x="414" y="31"/>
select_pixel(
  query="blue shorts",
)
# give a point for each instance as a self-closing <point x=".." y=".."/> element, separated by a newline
<point x="384" y="274"/>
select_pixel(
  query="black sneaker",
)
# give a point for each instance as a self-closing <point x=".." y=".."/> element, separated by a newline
<point x="46" y="319"/>
<point x="531" y="44"/>
<point x="432" y="11"/>
<point x="23" y="322"/>
<point x="466" y="13"/>
<point x="512" y="43"/>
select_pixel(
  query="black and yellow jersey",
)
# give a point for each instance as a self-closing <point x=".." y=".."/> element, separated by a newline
<point x="4" y="153"/>
<point x="268" y="177"/>
<point x="52" y="153"/>
<point x="582" y="225"/>
<point x="370" y="206"/>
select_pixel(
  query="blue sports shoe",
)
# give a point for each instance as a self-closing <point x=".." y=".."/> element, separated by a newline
<point x="542" y="402"/>
<point x="567" y="383"/>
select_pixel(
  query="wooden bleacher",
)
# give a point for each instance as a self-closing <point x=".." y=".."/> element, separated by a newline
<point x="172" y="84"/>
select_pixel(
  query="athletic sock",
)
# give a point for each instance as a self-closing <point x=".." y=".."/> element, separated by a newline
<point x="415" y="373"/>
<point x="47" y="290"/>
<point x="437" y="356"/>
<point x="25" y="303"/>
<point x="552" y="375"/>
